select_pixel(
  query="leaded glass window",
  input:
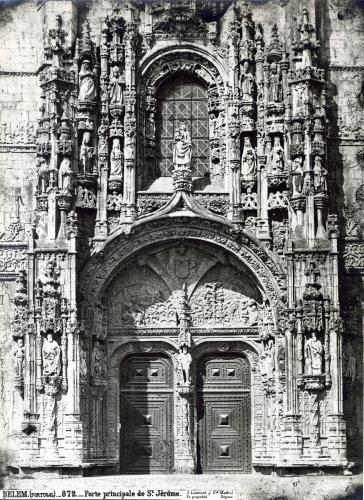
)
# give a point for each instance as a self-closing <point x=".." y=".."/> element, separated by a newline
<point x="182" y="99"/>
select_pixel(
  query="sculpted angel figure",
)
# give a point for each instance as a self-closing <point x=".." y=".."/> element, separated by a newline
<point x="87" y="90"/>
<point x="182" y="146"/>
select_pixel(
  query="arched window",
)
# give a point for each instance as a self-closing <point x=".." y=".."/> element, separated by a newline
<point x="182" y="99"/>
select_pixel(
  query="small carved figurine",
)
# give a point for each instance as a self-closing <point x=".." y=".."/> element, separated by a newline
<point x="51" y="356"/>
<point x="277" y="156"/>
<point x="65" y="175"/>
<point x="116" y="87"/>
<point x="184" y="362"/>
<point x="248" y="160"/>
<point x="247" y="83"/>
<point x="116" y="163"/>
<point x="297" y="176"/>
<point x="87" y="82"/>
<point x="275" y="86"/>
<point x="19" y="354"/>
<point x="313" y="355"/>
<point x="182" y="146"/>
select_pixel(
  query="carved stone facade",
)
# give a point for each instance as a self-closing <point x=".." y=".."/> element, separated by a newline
<point x="181" y="259"/>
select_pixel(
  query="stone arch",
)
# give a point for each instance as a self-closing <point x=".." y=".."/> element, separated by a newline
<point x="107" y="261"/>
<point x="165" y="62"/>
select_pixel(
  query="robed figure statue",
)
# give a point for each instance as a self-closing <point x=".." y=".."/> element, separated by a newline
<point x="182" y="147"/>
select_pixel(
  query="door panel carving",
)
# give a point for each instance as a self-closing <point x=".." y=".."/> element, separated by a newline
<point x="223" y="414"/>
<point x="146" y="399"/>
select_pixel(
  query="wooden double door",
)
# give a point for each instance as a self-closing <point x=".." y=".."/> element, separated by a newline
<point x="147" y="415"/>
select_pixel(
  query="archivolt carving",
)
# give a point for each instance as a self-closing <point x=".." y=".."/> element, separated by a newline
<point x="103" y="266"/>
<point x="185" y="61"/>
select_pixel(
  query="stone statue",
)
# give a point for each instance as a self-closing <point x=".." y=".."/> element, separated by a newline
<point x="51" y="357"/>
<point x="182" y="146"/>
<point x="267" y="360"/>
<point x="320" y="174"/>
<point x="86" y="152"/>
<point x="116" y="157"/>
<point x="87" y="86"/>
<point x="313" y="355"/>
<point x="297" y="176"/>
<point x="349" y="363"/>
<point x="43" y="176"/>
<point x="184" y="364"/>
<point x="19" y="354"/>
<point x="116" y="87"/>
<point x="150" y="126"/>
<point x="83" y="364"/>
<point x="65" y="175"/>
<point x="248" y="160"/>
<point x="277" y="156"/>
<point x="98" y="360"/>
<point x="247" y="83"/>
<point x="275" y="86"/>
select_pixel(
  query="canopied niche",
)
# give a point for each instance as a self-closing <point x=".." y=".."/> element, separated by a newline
<point x="147" y="292"/>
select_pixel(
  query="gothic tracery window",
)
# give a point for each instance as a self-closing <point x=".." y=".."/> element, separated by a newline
<point x="182" y="99"/>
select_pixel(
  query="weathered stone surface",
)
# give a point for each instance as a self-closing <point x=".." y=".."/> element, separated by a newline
<point x="181" y="182"/>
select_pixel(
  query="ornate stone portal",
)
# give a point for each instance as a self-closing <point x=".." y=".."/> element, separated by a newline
<point x="176" y="306"/>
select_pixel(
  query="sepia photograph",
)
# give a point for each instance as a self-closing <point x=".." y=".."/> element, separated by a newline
<point x="181" y="249"/>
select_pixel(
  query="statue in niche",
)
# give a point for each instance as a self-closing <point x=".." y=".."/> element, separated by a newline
<point x="116" y="87"/>
<point x="19" y="355"/>
<point x="116" y="159"/>
<point x="275" y="86"/>
<point x="184" y="364"/>
<point x="98" y="360"/>
<point x="247" y="83"/>
<point x="313" y="355"/>
<point x="297" y="176"/>
<point x="267" y="360"/>
<point x="83" y="364"/>
<point x="320" y="174"/>
<point x="86" y="152"/>
<point x="87" y="86"/>
<point x="65" y="175"/>
<point x="51" y="356"/>
<point x="213" y="125"/>
<point x="349" y="363"/>
<point x="150" y="126"/>
<point x="277" y="156"/>
<point x="43" y="176"/>
<point x="182" y="146"/>
<point x="248" y="160"/>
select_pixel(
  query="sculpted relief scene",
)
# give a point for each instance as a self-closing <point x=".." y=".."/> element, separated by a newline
<point x="216" y="293"/>
<point x="181" y="258"/>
